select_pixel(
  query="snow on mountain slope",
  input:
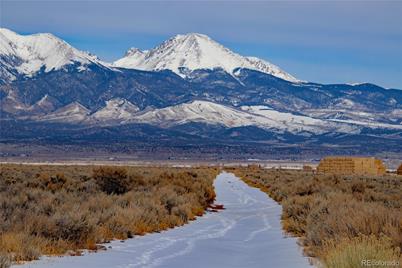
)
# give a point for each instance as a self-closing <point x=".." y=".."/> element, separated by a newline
<point x="120" y="111"/>
<point x="196" y="111"/>
<point x="373" y="125"/>
<point x="12" y="103"/>
<point x="116" y="109"/>
<point x="217" y="114"/>
<point x="44" y="105"/>
<point x="195" y="51"/>
<point x="283" y="117"/>
<point x="364" y="117"/>
<point x="27" y="54"/>
<point x="71" y="113"/>
<point x="298" y="120"/>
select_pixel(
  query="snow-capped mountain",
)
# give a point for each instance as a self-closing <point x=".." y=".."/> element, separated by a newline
<point x="195" y="51"/>
<point x="49" y="87"/>
<point x="28" y="54"/>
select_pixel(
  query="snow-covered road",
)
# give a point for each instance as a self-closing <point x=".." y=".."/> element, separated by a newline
<point x="246" y="234"/>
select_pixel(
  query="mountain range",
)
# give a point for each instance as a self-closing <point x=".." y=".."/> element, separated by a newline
<point x="188" y="89"/>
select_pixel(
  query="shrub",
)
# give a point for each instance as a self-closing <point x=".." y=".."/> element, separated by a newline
<point x="325" y="209"/>
<point x="21" y="246"/>
<point x="112" y="180"/>
<point x="168" y="198"/>
<point x="52" y="183"/>
<point x="69" y="227"/>
<point x="295" y="212"/>
<point x="182" y="211"/>
<point x="358" y="187"/>
<point x="54" y="209"/>
<point x="339" y="216"/>
<point x="5" y="261"/>
<point x="352" y="253"/>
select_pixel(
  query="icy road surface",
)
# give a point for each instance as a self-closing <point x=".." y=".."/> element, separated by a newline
<point x="246" y="234"/>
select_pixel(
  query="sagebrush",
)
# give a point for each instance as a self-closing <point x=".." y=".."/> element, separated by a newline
<point x="53" y="209"/>
<point x="327" y="210"/>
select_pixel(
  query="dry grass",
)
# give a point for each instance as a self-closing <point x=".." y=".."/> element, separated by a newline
<point x="55" y="209"/>
<point x="358" y="251"/>
<point x="329" y="210"/>
<point x="4" y="261"/>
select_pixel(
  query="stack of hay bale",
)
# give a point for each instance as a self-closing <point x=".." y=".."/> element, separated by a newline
<point x="399" y="170"/>
<point x="351" y="165"/>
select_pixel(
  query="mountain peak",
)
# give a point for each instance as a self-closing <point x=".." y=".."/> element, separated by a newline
<point x="28" y="54"/>
<point x="191" y="36"/>
<point x="7" y="32"/>
<point x="133" y="51"/>
<point x="194" y="51"/>
<point x="11" y="33"/>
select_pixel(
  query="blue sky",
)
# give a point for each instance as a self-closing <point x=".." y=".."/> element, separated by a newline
<point x="320" y="41"/>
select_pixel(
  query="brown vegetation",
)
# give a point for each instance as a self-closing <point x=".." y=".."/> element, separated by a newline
<point x="53" y="209"/>
<point x="336" y="216"/>
<point x="4" y="261"/>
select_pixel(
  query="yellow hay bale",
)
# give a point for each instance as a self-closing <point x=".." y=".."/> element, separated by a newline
<point x="351" y="165"/>
<point x="399" y="170"/>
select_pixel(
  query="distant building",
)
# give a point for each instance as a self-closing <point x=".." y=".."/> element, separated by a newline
<point x="399" y="170"/>
<point x="351" y="165"/>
